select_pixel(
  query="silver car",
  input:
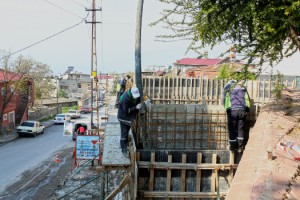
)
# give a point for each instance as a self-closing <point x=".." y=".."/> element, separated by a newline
<point x="62" y="118"/>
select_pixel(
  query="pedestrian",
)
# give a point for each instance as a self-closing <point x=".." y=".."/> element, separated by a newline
<point x="128" y="108"/>
<point x="120" y="88"/>
<point x="128" y="82"/>
<point x="236" y="101"/>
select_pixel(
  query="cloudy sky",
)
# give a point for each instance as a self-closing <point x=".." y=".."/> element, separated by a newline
<point x="25" y="22"/>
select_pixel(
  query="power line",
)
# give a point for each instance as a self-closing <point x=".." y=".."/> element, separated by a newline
<point x="47" y="38"/>
<point x="80" y="4"/>
<point x="61" y="8"/>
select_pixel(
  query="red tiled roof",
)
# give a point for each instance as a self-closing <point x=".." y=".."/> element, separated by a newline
<point x="198" y="61"/>
<point x="9" y="76"/>
<point x="104" y="77"/>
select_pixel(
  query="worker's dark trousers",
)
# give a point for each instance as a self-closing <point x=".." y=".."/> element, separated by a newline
<point x="124" y="135"/>
<point x="236" y="121"/>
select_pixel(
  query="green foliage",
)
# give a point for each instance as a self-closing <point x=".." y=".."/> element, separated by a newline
<point x="226" y="72"/>
<point x="63" y="93"/>
<point x="113" y="90"/>
<point x="66" y="109"/>
<point x="277" y="81"/>
<point x="265" y="31"/>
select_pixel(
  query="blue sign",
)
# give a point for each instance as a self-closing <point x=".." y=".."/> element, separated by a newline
<point x="87" y="147"/>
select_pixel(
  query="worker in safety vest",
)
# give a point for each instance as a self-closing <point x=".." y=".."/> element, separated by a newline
<point x="236" y="101"/>
<point x="128" y="108"/>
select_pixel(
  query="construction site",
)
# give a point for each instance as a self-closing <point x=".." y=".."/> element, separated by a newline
<point x="178" y="145"/>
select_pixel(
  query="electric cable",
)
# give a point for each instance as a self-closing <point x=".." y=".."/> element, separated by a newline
<point x="61" y="8"/>
<point x="76" y="2"/>
<point x="47" y="38"/>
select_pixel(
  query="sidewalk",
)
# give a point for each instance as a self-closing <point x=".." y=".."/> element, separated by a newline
<point x="6" y="137"/>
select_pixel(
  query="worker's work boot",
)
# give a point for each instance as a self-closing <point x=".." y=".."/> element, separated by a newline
<point x="241" y="147"/>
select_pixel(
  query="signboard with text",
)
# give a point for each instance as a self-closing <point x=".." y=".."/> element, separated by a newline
<point x="68" y="129"/>
<point x="87" y="147"/>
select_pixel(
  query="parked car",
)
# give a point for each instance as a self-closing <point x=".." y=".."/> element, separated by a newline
<point x="30" y="128"/>
<point x="85" y="109"/>
<point x="74" y="114"/>
<point x="62" y="118"/>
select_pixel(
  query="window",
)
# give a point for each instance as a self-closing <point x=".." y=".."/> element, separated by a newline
<point x="12" y="88"/>
<point x="4" y="117"/>
<point x="3" y="90"/>
<point x="79" y="85"/>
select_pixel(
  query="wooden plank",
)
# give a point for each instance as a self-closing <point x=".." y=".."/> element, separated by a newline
<point x="213" y="175"/>
<point x="231" y="161"/>
<point x="164" y="89"/>
<point x="159" y="88"/>
<point x="187" y="195"/>
<point x="151" y="178"/>
<point x="198" y="176"/>
<point x="183" y="174"/>
<point x="132" y="161"/>
<point x="153" y="86"/>
<point x="169" y="176"/>
<point x="169" y="87"/>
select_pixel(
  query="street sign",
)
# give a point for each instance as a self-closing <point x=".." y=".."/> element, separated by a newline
<point x="87" y="147"/>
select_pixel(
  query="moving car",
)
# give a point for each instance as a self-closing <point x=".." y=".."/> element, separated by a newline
<point x="74" y="114"/>
<point x="85" y="109"/>
<point x="30" y="128"/>
<point x="61" y="118"/>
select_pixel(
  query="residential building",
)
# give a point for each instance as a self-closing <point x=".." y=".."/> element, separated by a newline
<point x="15" y="102"/>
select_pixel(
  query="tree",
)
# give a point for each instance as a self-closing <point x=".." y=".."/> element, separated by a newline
<point x="63" y="93"/>
<point x="265" y="31"/>
<point x="39" y="72"/>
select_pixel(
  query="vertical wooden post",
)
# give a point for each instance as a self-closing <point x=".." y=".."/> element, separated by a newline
<point x="201" y="87"/>
<point x="132" y="166"/>
<point x="151" y="178"/>
<point x="231" y="161"/>
<point x="153" y="86"/>
<point x="211" y="90"/>
<point x="169" y="88"/>
<point x="176" y="90"/>
<point x="206" y="91"/>
<point x="213" y="175"/>
<point x="198" y="176"/>
<point x="183" y="174"/>
<point x="169" y="176"/>
<point x="159" y="89"/>
<point x="164" y="89"/>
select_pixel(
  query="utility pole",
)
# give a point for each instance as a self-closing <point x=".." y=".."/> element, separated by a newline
<point x="138" y="36"/>
<point x="94" y="60"/>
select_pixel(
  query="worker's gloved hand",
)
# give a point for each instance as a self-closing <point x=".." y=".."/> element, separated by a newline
<point x="138" y="106"/>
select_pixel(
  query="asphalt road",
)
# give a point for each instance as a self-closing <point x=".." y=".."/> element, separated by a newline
<point x="26" y="157"/>
<point x="27" y="152"/>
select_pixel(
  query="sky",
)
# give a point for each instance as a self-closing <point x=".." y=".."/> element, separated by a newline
<point x="25" y="22"/>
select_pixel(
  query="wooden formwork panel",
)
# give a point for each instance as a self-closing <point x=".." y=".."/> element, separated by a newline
<point x="184" y="174"/>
